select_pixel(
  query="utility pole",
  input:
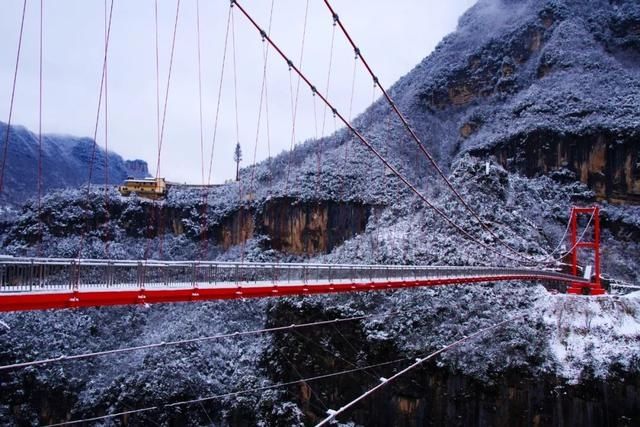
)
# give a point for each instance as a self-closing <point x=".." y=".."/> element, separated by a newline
<point x="237" y="156"/>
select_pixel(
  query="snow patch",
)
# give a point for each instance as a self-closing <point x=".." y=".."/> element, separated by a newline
<point x="588" y="335"/>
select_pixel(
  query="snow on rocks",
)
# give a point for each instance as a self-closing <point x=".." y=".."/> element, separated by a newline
<point x="590" y="336"/>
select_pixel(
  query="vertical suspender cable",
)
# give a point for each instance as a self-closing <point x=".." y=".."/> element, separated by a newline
<point x="219" y="97"/>
<point x="95" y="132"/>
<point x="13" y="93"/>
<point x="39" y="181"/>
<point x="160" y="227"/>
<point x="266" y="112"/>
<point x="154" y="220"/>
<point x="263" y="100"/>
<point x="294" y="108"/>
<point x="204" y="209"/>
<point x="106" y="134"/>
<point x="215" y="131"/>
<point x="293" y="132"/>
<point x="237" y="120"/>
<point x="157" y="74"/>
<point x="200" y="90"/>
<point x="324" y="111"/>
<point x="166" y="94"/>
<point x="235" y="76"/>
<point x="346" y="143"/>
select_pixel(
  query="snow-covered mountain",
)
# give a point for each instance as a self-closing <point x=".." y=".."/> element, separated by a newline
<point x="547" y="93"/>
<point x="65" y="163"/>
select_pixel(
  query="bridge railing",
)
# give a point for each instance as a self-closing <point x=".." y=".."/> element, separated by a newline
<point x="46" y="274"/>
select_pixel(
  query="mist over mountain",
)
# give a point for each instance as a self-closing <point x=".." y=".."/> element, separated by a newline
<point x="65" y="163"/>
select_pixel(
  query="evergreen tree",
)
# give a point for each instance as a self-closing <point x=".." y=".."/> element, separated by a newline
<point x="237" y="156"/>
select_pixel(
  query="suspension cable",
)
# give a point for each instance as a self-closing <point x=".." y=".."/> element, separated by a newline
<point x="106" y="136"/>
<point x="205" y="204"/>
<point x="219" y="97"/>
<point x="294" y="107"/>
<point x="263" y="99"/>
<point x="157" y="49"/>
<point x="95" y="142"/>
<point x="13" y="93"/>
<point x="235" y="89"/>
<point x="39" y="181"/>
<point x="164" y="344"/>
<point x="419" y="143"/>
<point x="290" y="383"/>
<point x="324" y="111"/>
<point x="419" y="361"/>
<point x="204" y="210"/>
<point x="166" y="94"/>
<point x="578" y="241"/>
<point x="350" y="117"/>
<point x="231" y="394"/>
<point x="200" y="91"/>
<point x="368" y="145"/>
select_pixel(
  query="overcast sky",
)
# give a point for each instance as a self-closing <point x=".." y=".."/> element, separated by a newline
<point x="393" y="35"/>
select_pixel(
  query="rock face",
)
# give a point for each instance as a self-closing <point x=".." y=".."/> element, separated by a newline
<point x="286" y="225"/>
<point x="609" y="166"/>
<point x="302" y="228"/>
<point x="65" y="163"/>
<point x="137" y="168"/>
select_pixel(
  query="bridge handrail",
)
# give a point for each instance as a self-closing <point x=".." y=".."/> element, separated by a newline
<point x="160" y="263"/>
<point x="449" y="270"/>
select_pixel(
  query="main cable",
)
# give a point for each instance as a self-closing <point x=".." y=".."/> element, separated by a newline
<point x="417" y="140"/>
<point x="187" y="341"/>
<point x="360" y="137"/>
<point x="230" y="394"/>
<point x="419" y="361"/>
<point x="286" y="384"/>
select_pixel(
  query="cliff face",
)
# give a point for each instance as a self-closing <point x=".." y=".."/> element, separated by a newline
<point x="65" y="163"/>
<point x="608" y="165"/>
<point x="286" y="225"/>
<point x="302" y="228"/>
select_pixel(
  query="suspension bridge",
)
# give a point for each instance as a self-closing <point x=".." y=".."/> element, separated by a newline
<point x="37" y="283"/>
<point x="42" y="283"/>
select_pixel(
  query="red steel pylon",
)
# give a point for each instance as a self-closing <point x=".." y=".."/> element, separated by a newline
<point x="595" y="287"/>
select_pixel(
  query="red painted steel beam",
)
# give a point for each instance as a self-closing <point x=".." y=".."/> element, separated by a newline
<point x="61" y="300"/>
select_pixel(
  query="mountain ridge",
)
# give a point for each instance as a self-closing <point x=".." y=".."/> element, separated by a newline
<point x="65" y="163"/>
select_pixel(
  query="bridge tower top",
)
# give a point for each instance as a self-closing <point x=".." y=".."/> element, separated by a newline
<point x="578" y="242"/>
